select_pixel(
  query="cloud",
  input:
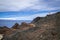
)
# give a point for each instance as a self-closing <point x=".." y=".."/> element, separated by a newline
<point x="18" y="5"/>
<point x="47" y="5"/>
<point x="28" y="17"/>
<point x="7" y="18"/>
<point x="15" y="5"/>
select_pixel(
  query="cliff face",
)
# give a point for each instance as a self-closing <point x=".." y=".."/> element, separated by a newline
<point x="46" y="28"/>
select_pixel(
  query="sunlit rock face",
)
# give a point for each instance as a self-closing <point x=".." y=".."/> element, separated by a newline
<point x="23" y="24"/>
<point x="44" y="28"/>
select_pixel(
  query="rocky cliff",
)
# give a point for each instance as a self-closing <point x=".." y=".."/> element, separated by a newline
<point x="46" y="28"/>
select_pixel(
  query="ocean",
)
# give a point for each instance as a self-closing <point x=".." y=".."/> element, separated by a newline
<point x="10" y="23"/>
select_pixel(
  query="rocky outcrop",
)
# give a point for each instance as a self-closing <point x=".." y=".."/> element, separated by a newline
<point x="3" y="30"/>
<point x="25" y="26"/>
<point x="36" y="19"/>
<point x="15" y="26"/>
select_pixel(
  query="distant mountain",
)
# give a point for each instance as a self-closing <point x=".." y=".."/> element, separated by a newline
<point x="46" y="28"/>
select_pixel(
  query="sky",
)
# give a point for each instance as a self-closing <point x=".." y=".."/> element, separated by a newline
<point x="27" y="9"/>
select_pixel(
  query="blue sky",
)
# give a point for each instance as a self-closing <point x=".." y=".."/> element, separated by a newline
<point x="27" y="9"/>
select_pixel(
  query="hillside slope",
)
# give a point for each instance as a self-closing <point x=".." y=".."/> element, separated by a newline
<point x="47" y="28"/>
